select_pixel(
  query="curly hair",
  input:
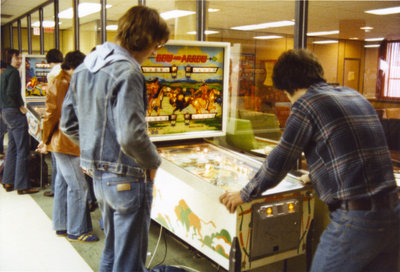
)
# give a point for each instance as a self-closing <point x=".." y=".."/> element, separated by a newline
<point x="141" y="27"/>
<point x="297" y="69"/>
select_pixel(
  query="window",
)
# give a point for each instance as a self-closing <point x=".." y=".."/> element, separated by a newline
<point x="392" y="79"/>
<point x="388" y="80"/>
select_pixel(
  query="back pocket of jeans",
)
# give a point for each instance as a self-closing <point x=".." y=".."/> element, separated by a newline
<point x="124" y="196"/>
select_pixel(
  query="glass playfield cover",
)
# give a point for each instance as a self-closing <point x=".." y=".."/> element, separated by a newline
<point x="212" y="164"/>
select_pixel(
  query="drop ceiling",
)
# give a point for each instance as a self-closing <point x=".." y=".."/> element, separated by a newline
<point x="345" y="16"/>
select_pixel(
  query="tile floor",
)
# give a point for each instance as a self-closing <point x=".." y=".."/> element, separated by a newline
<point x="27" y="241"/>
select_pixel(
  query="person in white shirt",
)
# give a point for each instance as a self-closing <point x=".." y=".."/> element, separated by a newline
<point x="54" y="57"/>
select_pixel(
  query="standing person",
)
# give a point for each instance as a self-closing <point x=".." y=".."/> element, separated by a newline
<point x="54" y="57"/>
<point x="104" y="111"/>
<point x="3" y="127"/>
<point x="350" y="167"/>
<point x="15" y="174"/>
<point x="71" y="215"/>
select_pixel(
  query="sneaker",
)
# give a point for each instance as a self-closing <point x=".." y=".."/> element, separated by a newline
<point x="88" y="237"/>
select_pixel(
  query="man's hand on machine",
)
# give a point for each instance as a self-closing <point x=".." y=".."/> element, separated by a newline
<point x="305" y="179"/>
<point x="23" y="110"/>
<point x="231" y="200"/>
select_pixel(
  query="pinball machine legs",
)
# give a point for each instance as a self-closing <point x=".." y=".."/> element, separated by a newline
<point x="235" y="256"/>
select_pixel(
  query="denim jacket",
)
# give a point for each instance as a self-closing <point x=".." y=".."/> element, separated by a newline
<point x="104" y="112"/>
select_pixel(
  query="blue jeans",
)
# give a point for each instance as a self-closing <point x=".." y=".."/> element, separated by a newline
<point x="125" y="204"/>
<point x="359" y="241"/>
<point x="53" y="171"/>
<point x="3" y="130"/>
<point x="70" y="211"/>
<point x="17" y="158"/>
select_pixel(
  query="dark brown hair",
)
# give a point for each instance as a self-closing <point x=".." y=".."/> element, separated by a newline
<point x="8" y="53"/>
<point x="297" y="69"/>
<point x="54" y="55"/>
<point x="72" y="60"/>
<point x="141" y="27"/>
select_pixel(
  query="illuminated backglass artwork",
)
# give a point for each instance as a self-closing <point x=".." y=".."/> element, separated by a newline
<point x="34" y="76"/>
<point x="186" y="88"/>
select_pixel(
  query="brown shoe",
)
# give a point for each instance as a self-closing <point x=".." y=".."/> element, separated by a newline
<point x="8" y="187"/>
<point x="28" y="191"/>
<point x="48" y="193"/>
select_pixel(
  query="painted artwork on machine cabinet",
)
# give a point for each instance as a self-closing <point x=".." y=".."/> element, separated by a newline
<point x="186" y="84"/>
<point x="34" y="77"/>
<point x="209" y="230"/>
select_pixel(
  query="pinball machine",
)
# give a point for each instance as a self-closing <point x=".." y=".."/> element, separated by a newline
<point x="187" y="85"/>
<point x="34" y="86"/>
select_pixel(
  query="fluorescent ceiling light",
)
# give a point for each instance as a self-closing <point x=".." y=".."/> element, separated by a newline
<point x="374" y="39"/>
<point x="371" y="45"/>
<point x="112" y="27"/>
<point x="213" y="10"/>
<point x="354" y="38"/>
<point x="323" y="33"/>
<point x="45" y="24"/>
<point x="366" y="28"/>
<point x="325" y="42"/>
<point x="384" y="11"/>
<point x="269" y="37"/>
<point x="207" y="32"/>
<point x="84" y="9"/>
<point x="264" y="25"/>
<point x="176" y="14"/>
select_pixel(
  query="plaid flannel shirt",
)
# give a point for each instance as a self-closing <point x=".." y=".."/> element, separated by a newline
<point x="343" y="141"/>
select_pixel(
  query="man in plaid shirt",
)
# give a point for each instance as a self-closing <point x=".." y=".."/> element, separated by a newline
<point x="350" y="167"/>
